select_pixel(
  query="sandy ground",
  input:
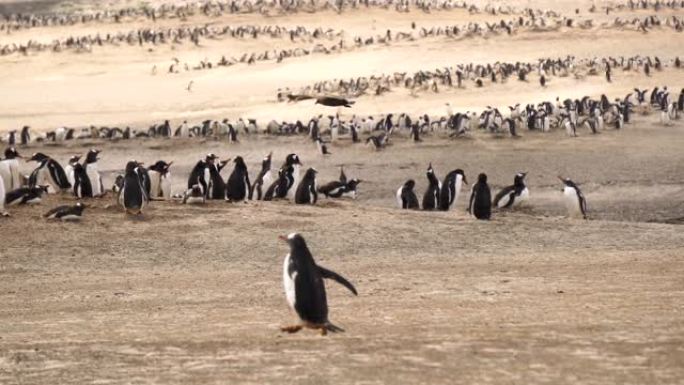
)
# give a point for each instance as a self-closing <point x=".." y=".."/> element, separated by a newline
<point x="194" y="294"/>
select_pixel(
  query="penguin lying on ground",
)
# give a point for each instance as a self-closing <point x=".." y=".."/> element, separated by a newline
<point x="512" y="196"/>
<point x="305" y="289"/>
<point x="25" y="195"/>
<point x="66" y="213"/>
<point x="194" y="195"/>
<point x="332" y="101"/>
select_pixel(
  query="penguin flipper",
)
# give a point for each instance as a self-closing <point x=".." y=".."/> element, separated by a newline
<point x="329" y="274"/>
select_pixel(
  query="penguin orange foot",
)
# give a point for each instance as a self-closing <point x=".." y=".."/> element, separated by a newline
<point x="291" y="329"/>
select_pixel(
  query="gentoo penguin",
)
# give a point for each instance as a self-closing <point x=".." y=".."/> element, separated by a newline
<point x="451" y="189"/>
<point x="292" y="160"/>
<point x="69" y="169"/>
<point x="216" y="187"/>
<point x="574" y="199"/>
<point x="66" y="213"/>
<point x="306" y="190"/>
<point x="284" y="183"/>
<point x="512" y="196"/>
<point x="431" y="196"/>
<point x="332" y="101"/>
<point x="480" y="199"/>
<point x="322" y="148"/>
<point x="264" y="179"/>
<point x="238" y="186"/>
<point x="25" y="195"/>
<point x="406" y="197"/>
<point x="49" y="172"/>
<point x="91" y="169"/>
<point x="197" y="176"/>
<point x="133" y="196"/>
<point x="9" y="169"/>
<point x="82" y="186"/>
<point x="160" y="180"/>
<point x="3" y="213"/>
<point x="194" y="195"/>
<point x="337" y="188"/>
<point x="25" y="136"/>
<point x="305" y="289"/>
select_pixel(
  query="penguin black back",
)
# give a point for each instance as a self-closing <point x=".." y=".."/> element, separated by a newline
<point x="431" y="196"/>
<point x="306" y="190"/>
<point x="238" y="186"/>
<point x="480" y="199"/>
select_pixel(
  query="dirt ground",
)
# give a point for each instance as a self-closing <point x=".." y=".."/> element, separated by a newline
<point x="193" y="295"/>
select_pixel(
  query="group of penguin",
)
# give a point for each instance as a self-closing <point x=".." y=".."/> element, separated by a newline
<point x="443" y="195"/>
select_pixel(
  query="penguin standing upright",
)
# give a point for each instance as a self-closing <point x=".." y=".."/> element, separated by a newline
<point x="25" y="136"/>
<point x="198" y="176"/>
<point x="480" y="199"/>
<point x="512" y="196"/>
<point x="263" y="179"/>
<point x="216" y="187"/>
<point x="91" y="169"/>
<point x="238" y="186"/>
<point x="9" y="169"/>
<point x="406" y="197"/>
<point x="69" y="169"/>
<point x="451" y="189"/>
<point x="282" y="185"/>
<point x="160" y="180"/>
<point x="133" y="195"/>
<point x="306" y="190"/>
<point x="49" y="172"/>
<point x="431" y="196"/>
<point x="574" y="199"/>
<point x="292" y="160"/>
<point x="82" y="186"/>
<point x="322" y="148"/>
<point x="305" y="289"/>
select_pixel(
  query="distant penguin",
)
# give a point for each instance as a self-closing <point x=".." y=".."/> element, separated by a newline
<point x="238" y="186"/>
<point x="281" y="186"/>
<point x="194" y="195"/>
<point x="431" y="196"/>
<point x="25" y="195"/>
<point x="265" y="178"/>
<point x="322" y="148"/>
<point x="160" y="180"/>
<point x="133" y="196"/>
<point x="305" y="289"/>
<point x="90" y="165"/>
<point x="574" y="199"/>
<point x="49" y="172"/>
<point x="406" y="197"/>
<point x="480" y="199"/>
<point x="69" y="169"/>
<point x="25" y="136"/>
<point x="82" y="186"/>
<point x="9" y="169"/>
<point x="512" y="196"/>
<point x="451" y="189"/>
<point x="542" y="81"/>
<point x="306" y="190"/>
<point x="66" y="213"/>
<point x="292" y="160"/>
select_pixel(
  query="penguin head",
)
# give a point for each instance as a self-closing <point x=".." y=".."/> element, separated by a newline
<point x="74" y="159"/>
<point x="310" y="173"/>
<point x="519" y="178"/>
<point x="11" y="153"/>
<point x="161" y="167"/>
<point x="210" y="158"/>
<point x="239" y="162"/>
<point x="91" y="157"/>
<point x="81" y="206"/>
<point x="38" y="157"/>
<point x="482" y="178"/>
<point x="131" y="166"/>
<point x="296" y="243"/>
<point x="410" y="184"/>
<point x="292" y="159"/>
<point x="351" y="185"/>
<point x="460" y="172"/>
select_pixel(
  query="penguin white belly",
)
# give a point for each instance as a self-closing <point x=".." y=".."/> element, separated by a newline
<point x="71" y="218"/>
<point x="45" y="179"/>
<point x="289" y="283"/>
<point x="69" y="170"/>
<point x="571" y="201"/>
<point x="95" y="180"/>
<point x="267" y="179"/>
<point x="295" y="176"/>
<point x="503" y="202"/>
<point x="166" y="185"/>
<point x="457" y="188"/>
<point x="155" y="184"/>
<point x="2" y="196"/>
<point x="399" y="200"/>
<point x="522" y="198"/>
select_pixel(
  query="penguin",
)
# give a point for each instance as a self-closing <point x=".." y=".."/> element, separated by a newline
<point x="66" y="213"/>
<point x="431" y="196"/>
<point x="284" y="183"/>
<point x="305" y="289"/>
<point x="216" y="187"/>
<point x="292" y="160"/>
<point x="337" y="189"/>
<point x="91" y="169"/>
<point x="194" y="195"/>
<point x="9" y="169"/>
<point x="264" y="179"/>
<point x="322" y="148"/>
<point x="82" y="186"/>
<point x="49" y="172"/>
<point x="25" y="195"/>
<point x="3" y="213"/>
<point x="133" y="196"/>
<point x="343" y="176"/>
<point x="480" y="199"/>
<point x="197" y="176"/>
<point x="332" y="101"/>
<point x="512" y="196"/>
<point x="160" y="180"/>
<point x="69" y="169"/>
<point x="306" y="190"/>
<point x="238" y="186"/>
<point x="25" y="136"/>
<point x="574" y="199"/>
<point x="406" y="197"/>
<point x="451" y="189"/>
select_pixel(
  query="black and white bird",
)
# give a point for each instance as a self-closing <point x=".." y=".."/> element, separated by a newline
<point x="322" y="148"/>
<point x="292" y="160"/>
<point x="406" y="197"/>
<point x="133" y="196"/>
<point x="91" y="168"/>
<point x="480" y="205"/>
<point x="83" y="188"/>
<point x="306" y="190"/>
<point x="341" y="187"/>
<point x="514" y="195"/>
<point x="574" y="199"/>
<point x="265" y="178"/>
<point x="48" y="173"/>
<point x="160" y="180"/>
<point x="238" y="186"/>
<point x="9" y="169"/>
<point x="332" y="101"/>
<point x="194" y="195"/>
<point x="25" y="195"/>
<point x="69" y="168"/>
<point x="66" y="213"/>
<point x="305" y="288"/>
<point x="431" y="196"/>
<point x="451" y="189"/>
<point x="280" y="187"/>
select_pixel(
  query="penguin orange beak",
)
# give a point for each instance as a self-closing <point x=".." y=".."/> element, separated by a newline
<point x="282" y="238"/>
